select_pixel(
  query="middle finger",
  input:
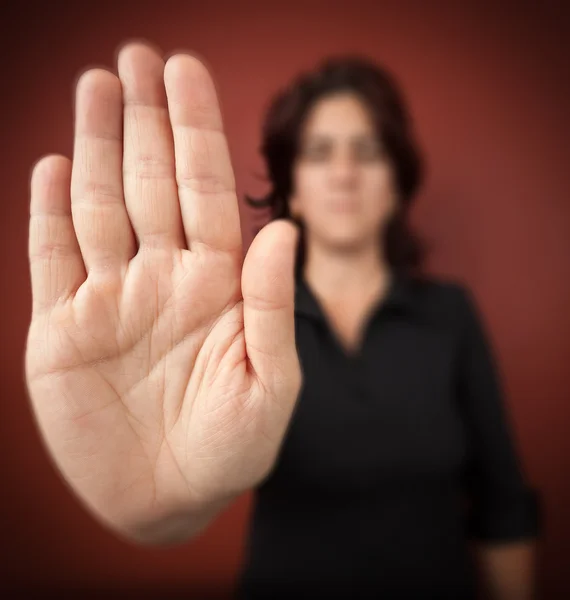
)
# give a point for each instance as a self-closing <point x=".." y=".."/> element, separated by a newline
<point x="149" y="178"/>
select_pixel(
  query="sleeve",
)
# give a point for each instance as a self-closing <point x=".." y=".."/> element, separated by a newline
<point x="502" y="506"/>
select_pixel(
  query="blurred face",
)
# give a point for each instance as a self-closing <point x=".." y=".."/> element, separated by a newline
<point x="343" y="183"/>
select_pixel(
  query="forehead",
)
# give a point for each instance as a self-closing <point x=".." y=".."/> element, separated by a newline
<point x="337" y="115"/>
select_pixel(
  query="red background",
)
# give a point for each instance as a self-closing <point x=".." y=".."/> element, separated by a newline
<point x="489" y="87"/>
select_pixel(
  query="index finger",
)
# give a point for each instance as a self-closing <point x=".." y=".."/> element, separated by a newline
<point x="204" y="174"/>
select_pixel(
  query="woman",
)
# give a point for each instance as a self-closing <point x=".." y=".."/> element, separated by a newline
<point x="401" y="409"/>
<point x="164" y="368"/>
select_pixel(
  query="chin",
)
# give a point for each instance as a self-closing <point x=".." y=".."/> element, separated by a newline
<point x="345" y="241"/>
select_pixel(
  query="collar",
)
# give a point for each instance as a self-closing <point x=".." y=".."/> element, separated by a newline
<point x="399" y="296"/>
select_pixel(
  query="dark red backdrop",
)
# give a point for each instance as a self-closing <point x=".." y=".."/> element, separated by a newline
<point x="489" y="88"/>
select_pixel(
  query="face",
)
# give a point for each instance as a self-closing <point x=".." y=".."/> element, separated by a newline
<point x="343" y="183"/>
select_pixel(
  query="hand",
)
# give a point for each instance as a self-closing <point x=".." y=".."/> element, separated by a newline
<point x="160" y="363"/>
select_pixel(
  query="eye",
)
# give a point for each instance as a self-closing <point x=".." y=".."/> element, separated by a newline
<point x="368" y="151"/>
<point x="315" y="152"/>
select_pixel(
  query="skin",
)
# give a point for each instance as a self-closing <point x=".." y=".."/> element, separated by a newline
<point x="344" y="192"/>
<point x="341" y="161"/>
<point x="160" y="362"/>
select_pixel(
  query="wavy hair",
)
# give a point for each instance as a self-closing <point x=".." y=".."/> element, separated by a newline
<point x="379" y="91"/>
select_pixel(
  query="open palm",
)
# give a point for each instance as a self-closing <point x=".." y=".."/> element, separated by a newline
<point x="162" y="377"/>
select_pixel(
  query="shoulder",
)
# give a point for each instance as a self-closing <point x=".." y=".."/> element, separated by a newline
<point x="436" y="290"/>
<point x="443" y="299"/>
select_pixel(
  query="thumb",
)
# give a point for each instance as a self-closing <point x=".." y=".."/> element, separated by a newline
<point x="268" y="290"/>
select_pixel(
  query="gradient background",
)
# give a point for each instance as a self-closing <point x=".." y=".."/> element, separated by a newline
<point x="489" y="87"/>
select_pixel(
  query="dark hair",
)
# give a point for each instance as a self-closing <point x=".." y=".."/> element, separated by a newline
<point x="283" y="123"/>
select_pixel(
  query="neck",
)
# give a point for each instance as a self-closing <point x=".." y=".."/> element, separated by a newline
<point x="337" y="273"/>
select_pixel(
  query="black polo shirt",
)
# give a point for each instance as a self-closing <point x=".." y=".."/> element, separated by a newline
<point x="395" y="456"/>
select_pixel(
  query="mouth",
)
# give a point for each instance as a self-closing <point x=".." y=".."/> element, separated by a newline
<point x="343" y="207"/>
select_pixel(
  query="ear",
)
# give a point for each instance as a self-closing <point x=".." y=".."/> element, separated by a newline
<point x="294" y="206"/>
<point x="392" y="209"/>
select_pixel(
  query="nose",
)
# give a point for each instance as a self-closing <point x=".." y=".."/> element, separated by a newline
<point x="344" y="172"/>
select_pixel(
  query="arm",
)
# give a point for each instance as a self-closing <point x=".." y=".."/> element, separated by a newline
<point x="508" y="569"/>
<point x="503" y="509"/>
